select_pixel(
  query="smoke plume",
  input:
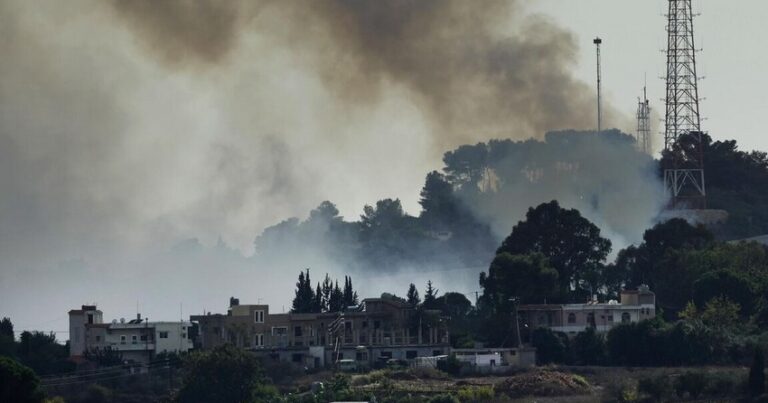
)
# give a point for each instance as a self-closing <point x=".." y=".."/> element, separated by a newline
<point x="127" y="127"/>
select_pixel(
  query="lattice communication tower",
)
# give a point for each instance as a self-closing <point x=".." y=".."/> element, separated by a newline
<point x="683" y="138"/>
<point x="644" y="124"/>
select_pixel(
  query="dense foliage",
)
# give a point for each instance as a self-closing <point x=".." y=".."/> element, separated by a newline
<point x="18" y="383"/>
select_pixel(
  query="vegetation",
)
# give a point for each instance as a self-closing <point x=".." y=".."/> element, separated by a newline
<point x="225" y="374"/>
<point x="18" y="383"/>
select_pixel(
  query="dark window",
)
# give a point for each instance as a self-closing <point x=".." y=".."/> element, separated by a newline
<point x="98" y="338"/>
<point x="90" y="318"/>
<point x="297" y="357"/>
<point x="365" y="324"/>
<point x="411" y="354"/>
<point x="297" y="331"/>
<point x="625" y="318"/>
<point x="571" y="318"/>
<point x="348" y="325"/>
<point x="386" y="354"/>
<point x="341" y="356"/>
<point x="376" y="324"/>
<point x="361" y="356"/>
<point x="591" y="319"/>
<point x="435" y="353"/>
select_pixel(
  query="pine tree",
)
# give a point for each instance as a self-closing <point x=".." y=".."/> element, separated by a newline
<point x="350" y="296"/>
<point x="430" y="296"/>
<point x="757" y="374"/>
<point x="327" y="289"/>
<point x="413" y="295"/>
<point x="317" y="302"/>
<point x="304" y="297"/>
<point x="336" y="300"/>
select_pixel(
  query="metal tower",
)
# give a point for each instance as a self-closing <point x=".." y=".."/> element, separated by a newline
<point x="597" y="43"/>
<point x="644" y="124"/>
<point x="683" y="147"/>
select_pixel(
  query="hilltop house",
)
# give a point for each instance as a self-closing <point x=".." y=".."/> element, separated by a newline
<point x="377" y="330"/>
<point x="137" y="340"/>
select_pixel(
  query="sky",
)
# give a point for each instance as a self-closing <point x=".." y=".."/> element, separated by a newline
<point x="633" y="37"/>
<point x="143" y="149"/>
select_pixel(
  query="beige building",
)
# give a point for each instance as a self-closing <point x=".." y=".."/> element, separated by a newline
<point x="376" y="330"/>
<point x="633" y="306"/>
<point x="136" y="340"/>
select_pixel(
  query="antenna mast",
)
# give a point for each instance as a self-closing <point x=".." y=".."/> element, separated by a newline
<point x="683" y="139"/>
<point x="597" y="43"/>
<point x="644" y="123"/>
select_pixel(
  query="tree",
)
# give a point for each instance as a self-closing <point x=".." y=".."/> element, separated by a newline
<point x="225" y="374"/>
<point x="570" y="242"/>
<point x="589" y="348"/>
<point x="6" y="328"/>
<point x="43" y="354"/>
<point x="529" y="277"/>
<point x="430" y="296"/>
<point x="336" y="299"/>
<point x="327" y="289"/>
<point x="439" y="205"/>
<point x="413" y="295"/>
<point x="317" y="303"/>
<point x="551" y="347"/>
<point x="349" y="297"/>
<point x="18" y="383"/>
<point x="757" y="374"/>
<point x="454" y="304"/>
<point x="304" y="299"/>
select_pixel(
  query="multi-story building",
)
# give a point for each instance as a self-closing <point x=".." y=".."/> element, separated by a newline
<point x="634" y="306"/>
<point x="377" y="330"/>
<point x="136" y="340"/>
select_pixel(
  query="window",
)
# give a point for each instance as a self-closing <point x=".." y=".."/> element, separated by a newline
<point x="279" y="331"/>
<point x="122" y="339"/>
<point x="163" y="335"/>
<point x="90" y="318"/>
<point x="625" y="317"/>
<point x="435" y="353"/>
<point x="376" y="324"/>
<point x="258" y="316"/>
<point x="297" y="332"/>
<point x="411" y="354"/>
<point x="591" y="319"/>
<point x="134" y="339"/>
<point x="98" y="339"/>
<point x="143" y="337"/>
<point x="365" y="324"/>
<point x="571" y="317"/>
<point x="258" y="340"/>
<point x="386" y="354"/>
<point x="297" y="357"/>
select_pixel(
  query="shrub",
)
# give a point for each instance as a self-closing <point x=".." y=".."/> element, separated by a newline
<point x="445" y="398"/>
<point x="18" y="383"/>
<point x="655" y="386"/>
<point x="476" y="394"/>
<point x="693" y="383"/>
<point x="723" y="385"/>
<point x="452" y="365"/>
<point x="96" y="394"/>
<point x="620" y="391"/>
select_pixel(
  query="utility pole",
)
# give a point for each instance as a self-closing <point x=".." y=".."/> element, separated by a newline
<point x="683" y="139"/>
<point x="597" y="43"/>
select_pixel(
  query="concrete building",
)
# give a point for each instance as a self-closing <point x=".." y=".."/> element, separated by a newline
<point x="377" y="330"/>
<point x="634" y="306"/>
<point x="137" y="340"/>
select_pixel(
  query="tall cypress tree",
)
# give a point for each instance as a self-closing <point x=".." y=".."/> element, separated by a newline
<point x="430" y="296"/>
<point x="327" y="289"/>
<point x="336" y="300"/>
<point x="304" y="299"/>
<point x="350" y="296"/>
<point x="413" y="295"/>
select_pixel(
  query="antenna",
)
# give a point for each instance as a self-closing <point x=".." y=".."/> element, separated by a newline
<point x="597" y="43"/>
<point x="683" y="159"/>
<point x="643" y="136"/>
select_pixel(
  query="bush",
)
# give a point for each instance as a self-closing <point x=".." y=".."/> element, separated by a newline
<point x="723" y="385"/>
<point x="693" y="383"/>
<point x="452" y="365"/>
<point x="656" y="386"/>
<point x="620" y="391"/>
<point x="96" y="394"/>
<point x="446" y="398"/>
<point x="18" y="383"/>
<point x="428" y="373"/>
<point x="477" y="394"/>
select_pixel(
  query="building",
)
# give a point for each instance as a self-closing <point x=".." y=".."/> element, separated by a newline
<point x="634" y="306"/>
<point x="137" y="340"/>
<point x="377" y="330"/>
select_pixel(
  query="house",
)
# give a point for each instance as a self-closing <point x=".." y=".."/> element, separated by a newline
<point x="634" y="306"/>
<point x="377" y="330"/>
<point x="137" y="340"/>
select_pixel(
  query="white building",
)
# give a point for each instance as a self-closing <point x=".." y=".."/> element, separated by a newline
<point x="137" y="340"/>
